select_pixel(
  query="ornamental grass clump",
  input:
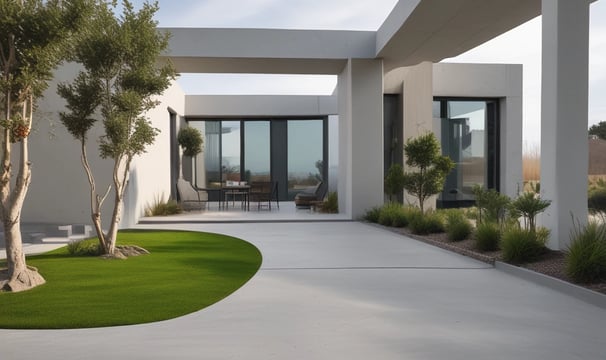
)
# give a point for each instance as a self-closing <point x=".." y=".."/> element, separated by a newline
<point x="393" y="214"/>
<point x="430" y="222"/>
<point x="373" y="214"/>
<point x="523" y="245"/>
<point x="586" y="255"/>
<point x="458" y="227"/>
<point x="487" y="236"/>
<point x="88" y="247"/>
<point x="161" y="207"/>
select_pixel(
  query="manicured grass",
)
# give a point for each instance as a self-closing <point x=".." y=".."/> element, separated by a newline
<point x="185" y="272"/>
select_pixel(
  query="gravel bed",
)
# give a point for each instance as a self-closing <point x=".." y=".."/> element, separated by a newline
<point x="552" y="263"/>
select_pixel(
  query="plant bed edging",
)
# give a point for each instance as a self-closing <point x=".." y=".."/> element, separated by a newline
<point x="579" y="292"/>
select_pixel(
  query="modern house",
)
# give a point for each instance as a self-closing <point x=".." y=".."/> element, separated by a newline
<point x="391" y="87"/>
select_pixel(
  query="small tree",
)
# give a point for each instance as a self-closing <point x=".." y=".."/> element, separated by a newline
<point x="394" y="180"/>
<point x="33" y="39"/>
<point x="599" y="130"/>
<point x="120" y="78"/>
<point x="423" y="154"/>
<point x="529" y="205"/>
<point x="190" y="139"/>
<point x="492" y="205"/>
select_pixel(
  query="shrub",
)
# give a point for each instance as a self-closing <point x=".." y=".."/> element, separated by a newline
<point x="89" y="247"/>
<point x="330" y="204"/>
<point x="586" y="255"/>
<point x="457" y="226"/>
<point x="428" y="223"/>
<point x="491" y="204"/>
<point x="487" y="236"/>
<point x="372" y="215"/>
<point x="529" y="205"/>
<point x="401" y="218"/>
<point x="394" y="180"/>
<point x="522" y="245"/>
<point x="597" y="199"/>
<point x="160" y="207"/>
<point x="387" y="214"/>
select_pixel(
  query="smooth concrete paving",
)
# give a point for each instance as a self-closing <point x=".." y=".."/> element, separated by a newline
<point x="348" y="290"/>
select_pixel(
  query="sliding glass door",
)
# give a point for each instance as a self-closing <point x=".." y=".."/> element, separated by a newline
<point x="290" y="152"/>
<point x="469" y="136"/>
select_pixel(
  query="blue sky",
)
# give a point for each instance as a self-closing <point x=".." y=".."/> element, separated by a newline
<point x="521" y="46"/>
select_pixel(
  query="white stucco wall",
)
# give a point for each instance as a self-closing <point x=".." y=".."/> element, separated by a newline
<point x="259" y="105"/>
<point x="59" y="192"/>
<point x="502" y="81"/>
<point x="150" y="172"/>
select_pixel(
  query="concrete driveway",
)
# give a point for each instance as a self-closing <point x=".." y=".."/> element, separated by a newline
<point x="346" y="290"/>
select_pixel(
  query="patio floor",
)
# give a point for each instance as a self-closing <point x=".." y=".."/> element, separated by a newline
<point x="347" y="290"/>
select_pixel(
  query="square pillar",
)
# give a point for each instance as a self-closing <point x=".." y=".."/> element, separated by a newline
<point x="564" y="101"/>
<point x="360" y="136"/>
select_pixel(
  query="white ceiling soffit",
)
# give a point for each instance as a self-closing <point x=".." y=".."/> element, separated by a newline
<point x="432" y="30"/>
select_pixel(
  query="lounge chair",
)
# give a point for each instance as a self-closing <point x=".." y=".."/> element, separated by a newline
<point x="311" y="196"/>
<point x="190" y="196"/>
<point x="263" y="193"/>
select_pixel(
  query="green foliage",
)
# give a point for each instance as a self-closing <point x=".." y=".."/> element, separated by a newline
<point x="529" y="205"/>
<point x="88" y="247"/>
<point x="34" y="38"/>
<point x="491" y="204"/>
<point x="373" y="214"/>
<point x="457" y="226"/>
<point x="522" y="245"/>
<point x="389" y="213"/>
<point x="185" y="272"/>
<point x="121" y="77"/>
<point x="426" y="223"/>
<point x="599" y="130"/>
<point x="423" y="154"/>
<point x="394" y="180"/>
<point x="38" y="34"/>
<point x="597" y="200"/>
<point x="190" y="140"/>
<point x="586" y="255"/>
<point x="487" y="236"/>
<point x="330" y="204"/>
<point x="161" y="207"/>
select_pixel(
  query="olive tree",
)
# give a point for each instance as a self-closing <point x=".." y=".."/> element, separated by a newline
<point x="34" y="35"/>
<point x="428" y="167"/>
<point x="121" y="76"/>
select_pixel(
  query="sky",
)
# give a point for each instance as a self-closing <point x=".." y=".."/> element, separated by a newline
<point x="521" y="45"/>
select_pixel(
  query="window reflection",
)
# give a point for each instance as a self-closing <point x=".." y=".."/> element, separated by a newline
<point x="305" y="150"/>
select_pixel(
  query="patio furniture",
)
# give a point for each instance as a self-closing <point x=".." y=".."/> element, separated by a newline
<point x="235" y="190"/>
<point x="260" y="192"/>
<point x="311" y="196"/>
<point x="190" y="196"/>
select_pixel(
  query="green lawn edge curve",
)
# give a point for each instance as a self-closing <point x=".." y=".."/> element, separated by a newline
<point x="185" y="272"/>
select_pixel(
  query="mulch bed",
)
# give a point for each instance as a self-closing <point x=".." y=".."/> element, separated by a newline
<point x="552" y="263"/>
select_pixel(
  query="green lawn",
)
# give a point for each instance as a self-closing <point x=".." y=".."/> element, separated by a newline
<point x="185" y="272"/>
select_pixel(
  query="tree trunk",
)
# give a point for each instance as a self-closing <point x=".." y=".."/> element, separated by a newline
<point x="19" y="276"/>
<point x="121" y="171"/>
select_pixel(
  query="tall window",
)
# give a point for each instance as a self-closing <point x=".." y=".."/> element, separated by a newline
<point x="230" y="150"/>
<point x="291" y="153"/>
<point x="468" y="133"/>
<point x="305" y="154"/>
<point x="257" y="155"/>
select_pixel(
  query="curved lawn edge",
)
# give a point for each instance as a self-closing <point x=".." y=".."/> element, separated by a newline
<point x="186" y="271"/>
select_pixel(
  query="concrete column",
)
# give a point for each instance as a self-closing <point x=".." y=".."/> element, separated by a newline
<point x="360" y="136"/>
<point x="564" y="145"/>
<point x="417" y="112"/>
